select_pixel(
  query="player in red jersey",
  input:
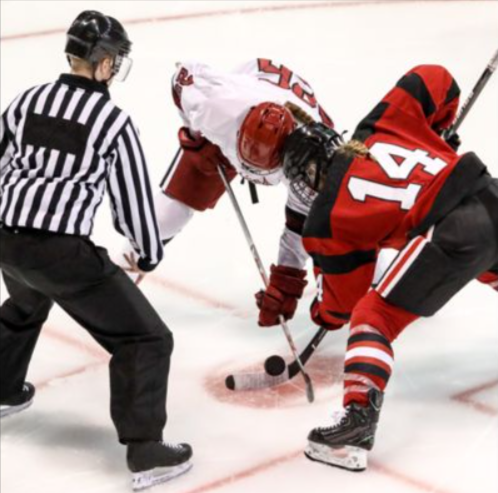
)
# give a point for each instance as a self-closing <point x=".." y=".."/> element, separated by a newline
<point x="398" y="184"/>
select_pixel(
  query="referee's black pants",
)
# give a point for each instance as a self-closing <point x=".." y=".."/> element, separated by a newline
<point x="40" y="268"/>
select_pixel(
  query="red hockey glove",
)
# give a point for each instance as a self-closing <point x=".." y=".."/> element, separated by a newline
<point x="189" y="140"/>
<point x="318" y="319"/>
<point x="280" y="298"/>
<point x="201" y="153"/>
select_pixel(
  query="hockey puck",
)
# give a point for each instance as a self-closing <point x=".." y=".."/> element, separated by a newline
<point x="275" y="366"/>
<point x="230" y="382"/>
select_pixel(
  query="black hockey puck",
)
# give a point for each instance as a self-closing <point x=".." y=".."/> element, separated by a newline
<point x="230" y="382"/>
<point x="275" y="366"/>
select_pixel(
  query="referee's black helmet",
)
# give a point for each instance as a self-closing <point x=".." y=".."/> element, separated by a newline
<point x="93" y="36"/>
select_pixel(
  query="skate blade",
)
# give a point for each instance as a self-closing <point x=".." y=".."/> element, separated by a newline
<point x="158" y="475"/>
<point x="347" y="457"/>
<point x="10" y="410"/>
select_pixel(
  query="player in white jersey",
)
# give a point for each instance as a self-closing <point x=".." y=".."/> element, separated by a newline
<point x="240" y="120"/>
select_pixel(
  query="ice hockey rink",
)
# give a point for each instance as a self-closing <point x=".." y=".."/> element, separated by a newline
<point x="439" y="425"/>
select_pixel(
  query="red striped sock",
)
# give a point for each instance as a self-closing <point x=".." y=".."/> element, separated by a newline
<point x="369" y="362"/>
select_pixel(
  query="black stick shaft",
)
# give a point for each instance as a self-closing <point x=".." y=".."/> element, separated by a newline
<point x="474" y="94"/>
<point x="307" y="352"/>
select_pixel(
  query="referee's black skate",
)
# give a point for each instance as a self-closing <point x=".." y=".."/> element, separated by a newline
<point x="18" y="402"/>
<point x="346" y="443"/>
<point x="157" y="462"/>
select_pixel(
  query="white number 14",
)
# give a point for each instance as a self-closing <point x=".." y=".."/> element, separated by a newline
<point x="385" y="155"/>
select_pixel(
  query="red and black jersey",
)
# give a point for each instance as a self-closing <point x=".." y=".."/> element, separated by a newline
<point x="411" y="179"/>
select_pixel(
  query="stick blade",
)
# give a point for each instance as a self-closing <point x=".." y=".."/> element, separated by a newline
<point x="255" y="381"/>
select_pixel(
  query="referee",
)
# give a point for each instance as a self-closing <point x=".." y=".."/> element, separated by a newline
<point x="61" y="145"/>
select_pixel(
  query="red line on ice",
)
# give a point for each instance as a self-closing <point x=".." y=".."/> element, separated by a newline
<point x="98" y="355"/>
<point x="248" y="473"/>
<point x="93" y="350"/>
<point x="403" y="478"/>
<point x="70" y="373"/>
<point x="467" y="397"/>
<point x="247" y="10"/>
<point x="265" y="466"/>
<point x="196" y="295"/>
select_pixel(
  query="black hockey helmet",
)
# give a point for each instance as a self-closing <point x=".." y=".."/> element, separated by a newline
<point x="93" y="36"/>
<point x="307" y="155"/>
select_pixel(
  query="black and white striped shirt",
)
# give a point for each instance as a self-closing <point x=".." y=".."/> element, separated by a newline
<point x="61" y="144"/>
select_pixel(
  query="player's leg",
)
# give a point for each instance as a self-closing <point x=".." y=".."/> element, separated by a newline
<point x="423" y="278"/>
<point x="369" y="363"/>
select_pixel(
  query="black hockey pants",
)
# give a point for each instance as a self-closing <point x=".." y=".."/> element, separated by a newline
<point x="40" y="268"/>
<point x="463" y="246"/>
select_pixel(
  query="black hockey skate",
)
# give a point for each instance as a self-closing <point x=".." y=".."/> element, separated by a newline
<point x="345" y="444"/>
<point x="157" y="462"/>
<point x="18" y="402"/>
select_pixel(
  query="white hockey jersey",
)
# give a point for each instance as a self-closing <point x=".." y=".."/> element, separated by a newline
<point x="214" y="104"/>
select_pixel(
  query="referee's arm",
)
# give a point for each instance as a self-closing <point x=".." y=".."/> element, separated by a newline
<point x="7" y="129"/>
<point x="131" y="198"/>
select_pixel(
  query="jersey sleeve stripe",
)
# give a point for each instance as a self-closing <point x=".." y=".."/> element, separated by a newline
<point x="343" y="264"/>
<point x="453" y="92"/>
<point x="414" y="85"/>
<point x="340" y="316"/>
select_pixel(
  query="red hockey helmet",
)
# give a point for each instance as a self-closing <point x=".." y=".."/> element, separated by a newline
<point x="261" y="137"/>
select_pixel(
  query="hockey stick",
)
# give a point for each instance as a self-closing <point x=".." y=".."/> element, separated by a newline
<point x="479" y="86"/>
<point x="309" y="386"/>
<point x="262" y="380"/>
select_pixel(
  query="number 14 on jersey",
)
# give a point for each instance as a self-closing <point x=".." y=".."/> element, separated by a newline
<point x="385" y="155"/>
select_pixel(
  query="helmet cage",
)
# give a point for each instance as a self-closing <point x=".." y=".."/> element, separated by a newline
<point x="307" y="157"/>
<point x="303" y="191"/>
<point x="121" y="67"/>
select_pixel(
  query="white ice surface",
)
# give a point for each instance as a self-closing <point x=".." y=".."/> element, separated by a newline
<point x="439" y="428"/>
